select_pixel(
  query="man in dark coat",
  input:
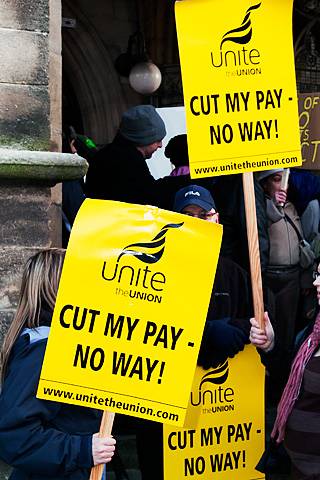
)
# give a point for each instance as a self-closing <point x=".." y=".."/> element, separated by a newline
<point x="119" y="170"/>
<point x="227" y="325"/>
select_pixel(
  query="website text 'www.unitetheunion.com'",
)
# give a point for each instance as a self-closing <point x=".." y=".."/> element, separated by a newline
<point x="93" y="399"/>
<point x="247" y="165"/>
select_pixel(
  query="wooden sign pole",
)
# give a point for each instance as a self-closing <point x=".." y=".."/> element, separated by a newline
<point x="105" y="429"/>
<point x="253" y="245"/>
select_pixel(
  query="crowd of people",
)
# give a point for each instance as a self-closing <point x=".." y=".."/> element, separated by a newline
<point x="42" y="439"/>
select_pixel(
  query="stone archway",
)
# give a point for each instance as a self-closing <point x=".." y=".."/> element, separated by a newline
<point x="92" y="77"/>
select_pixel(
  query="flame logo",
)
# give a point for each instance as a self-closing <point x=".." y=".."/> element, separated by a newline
<point x="157" y="243"/>
<point x="217" y="376"/>
<point x="244" y="32"/>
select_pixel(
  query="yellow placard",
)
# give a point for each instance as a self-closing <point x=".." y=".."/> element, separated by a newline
<point x="130" y="312"/>
<point x="223" y="435"/>
<point x="239" y="85"/>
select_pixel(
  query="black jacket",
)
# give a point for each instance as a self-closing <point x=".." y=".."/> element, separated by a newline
<point x="227" y="325"/>
<point x="231" y="295"/>
<point x="230" y="307"/>
<point x="39" y="438"/>
<point x="119" y="172"/>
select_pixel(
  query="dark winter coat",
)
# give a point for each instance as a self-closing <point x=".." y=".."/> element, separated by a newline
<point x="39" y="438"/>
<point x="229" y="308"/>
<point x="228" y="320"/>
<point x="120" y="172"/>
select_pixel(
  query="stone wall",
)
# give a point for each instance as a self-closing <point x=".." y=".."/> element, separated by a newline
<point x="30" y="130"/>
<point x="24" y="80"/>
<point x="26" y="208"/>
<point x="24" y="227"/>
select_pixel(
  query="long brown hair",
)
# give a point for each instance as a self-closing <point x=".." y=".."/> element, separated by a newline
<point x="39" y="287"/>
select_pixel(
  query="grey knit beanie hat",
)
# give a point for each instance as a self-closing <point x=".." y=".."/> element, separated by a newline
<point x="142" y="125"/>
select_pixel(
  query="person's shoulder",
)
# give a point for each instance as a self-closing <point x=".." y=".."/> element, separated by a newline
<point x="102" y="152"/>
<point x="30" y="345"/>
<point x="118" y="152"/>
<point x="26" y="356"/>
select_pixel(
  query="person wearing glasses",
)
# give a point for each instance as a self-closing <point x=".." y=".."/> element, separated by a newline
<point x="227" y="328"/>
<point x="228" y="321"/>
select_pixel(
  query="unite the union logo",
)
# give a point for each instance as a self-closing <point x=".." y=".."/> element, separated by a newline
<point x="241" y="35"/>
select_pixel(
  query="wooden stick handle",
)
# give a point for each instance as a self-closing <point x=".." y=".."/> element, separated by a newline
<point x="285" y="179"/>
<point x="253" y="245"/>
<point x="105" y="429"/>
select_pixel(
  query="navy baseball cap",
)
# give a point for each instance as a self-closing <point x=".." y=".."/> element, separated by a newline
<point x="193" y="195"/>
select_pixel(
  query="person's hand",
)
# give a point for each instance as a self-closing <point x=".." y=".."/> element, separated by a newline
<point x="220" y="341"/>
<point x="263" y="339"/>
<point x="280" y="197"/>
<point x="212" y="216"/>
<point x="102" y="449"/>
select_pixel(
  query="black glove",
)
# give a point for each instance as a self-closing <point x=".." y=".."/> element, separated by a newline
<point x="220" y="340"/>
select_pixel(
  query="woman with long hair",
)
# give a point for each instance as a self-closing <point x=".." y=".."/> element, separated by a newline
<point x="40" y="438"/>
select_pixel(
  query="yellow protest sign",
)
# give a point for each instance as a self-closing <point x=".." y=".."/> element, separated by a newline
<point x="223" y="435"/>
<point x="309" y="117"/>
<point x="239" y="85"/>
<point x="130" y="311"/>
